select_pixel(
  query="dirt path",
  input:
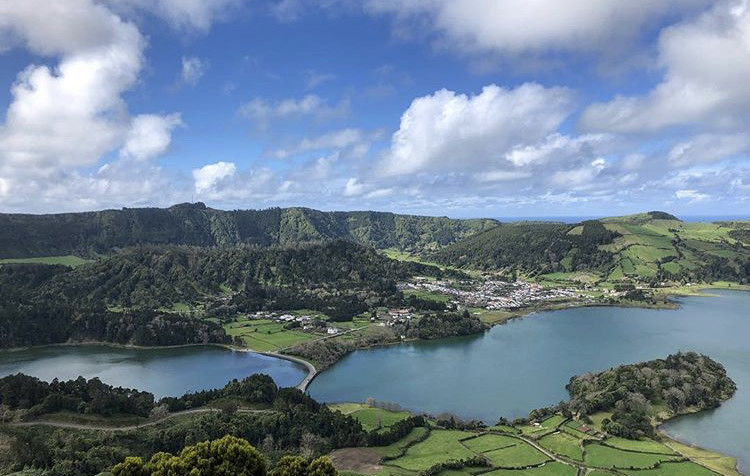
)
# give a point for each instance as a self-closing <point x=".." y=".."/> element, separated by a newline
<point x="81" y="426"/>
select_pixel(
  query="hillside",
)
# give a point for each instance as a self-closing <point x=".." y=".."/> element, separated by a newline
<point x="93" y="233"/>
<point x="653" y="246"/>
<point x="128" y="298"/>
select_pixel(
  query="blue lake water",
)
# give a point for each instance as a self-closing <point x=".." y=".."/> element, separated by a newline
<point x="163" y="372"/>
<point x="525" y="364"/>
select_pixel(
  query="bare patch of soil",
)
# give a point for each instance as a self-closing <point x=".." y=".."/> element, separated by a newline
<point x="358" y="460"/>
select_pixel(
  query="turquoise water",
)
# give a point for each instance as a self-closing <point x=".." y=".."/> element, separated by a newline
<point x="163" y="372"/>
<point x="525" y="364"/>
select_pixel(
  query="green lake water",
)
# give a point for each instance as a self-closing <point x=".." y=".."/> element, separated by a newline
<point x="525" y="364"/>
<point x="163" y="372"/>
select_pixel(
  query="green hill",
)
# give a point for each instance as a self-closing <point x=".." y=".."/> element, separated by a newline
<point x="92" y="233"/>
<point x="644" y="247"/>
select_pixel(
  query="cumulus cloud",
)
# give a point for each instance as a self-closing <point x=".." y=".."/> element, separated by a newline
<point x="193" y="70"/>
<point x="706" y="64"/>
<point x="210" y="176"/>
<point x="149" y="136"/>
<point x="71" y="115"/>
<point x="447" y="130"/>
<point x="509" y="28"/>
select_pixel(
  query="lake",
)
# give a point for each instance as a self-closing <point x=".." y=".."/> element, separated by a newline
<point x="163" y="372"/>
<point x="525" y="364"/>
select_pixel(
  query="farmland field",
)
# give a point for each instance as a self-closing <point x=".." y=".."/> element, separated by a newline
<point x="441" y="445"/>
<point x="563" y="444"/>
<point x="606" y="457"/>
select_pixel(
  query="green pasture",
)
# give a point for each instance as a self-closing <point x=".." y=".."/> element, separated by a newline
<point x="266" y="335"/>
<point x="371" y="418"/>
<point x="517" y="456"/>
<point x="606" y="457"/>
<point x="685" y="468"/>
<point x="563" y="444"/>
<point x="548" y="469"/>
<point x="440" y="446"/>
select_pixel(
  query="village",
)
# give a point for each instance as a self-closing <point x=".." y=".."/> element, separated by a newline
<point x="497" y="295"/>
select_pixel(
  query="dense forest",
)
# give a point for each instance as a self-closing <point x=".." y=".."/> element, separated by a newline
<point x="292" y="423"/>
<point x="92" y="234"/>
<point x="680" y="382"/>
<point x="533" y="247"/>
<point x="118" y="299"/>
<point x="227" y="456"/>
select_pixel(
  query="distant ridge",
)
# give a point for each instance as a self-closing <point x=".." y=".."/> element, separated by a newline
<point x="641" y="218"/>
<point x="102" y="232"/>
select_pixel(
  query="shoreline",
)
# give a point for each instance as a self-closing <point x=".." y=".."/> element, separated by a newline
<point x="311" y="370"/>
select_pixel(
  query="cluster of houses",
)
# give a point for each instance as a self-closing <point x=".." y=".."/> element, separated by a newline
<point x="306" y="322"/>
<point x="497" y="294"/>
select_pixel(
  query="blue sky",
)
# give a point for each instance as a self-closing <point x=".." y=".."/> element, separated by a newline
<point x="439" y="107"/>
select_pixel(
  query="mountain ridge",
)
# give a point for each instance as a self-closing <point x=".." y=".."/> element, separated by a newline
<point x="102" y="232"/>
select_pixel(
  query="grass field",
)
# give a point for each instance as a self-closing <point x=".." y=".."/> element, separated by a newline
<point x="518" y="456"/>
<point x="395" y="449"/>
<point x="605" y="457"/>
<point x="563" y="444"/>
<point x="68" y="260"/>
<point x="685" y="468"/>
<point x="441" y="445"/>
<point x="511" y="452"/>
<point x="267" y="335"/>
<point x="485" y="443"/>
<point x="644" y="446"/>
<point x="371" y="418"/>
<point x="549" y="469"/>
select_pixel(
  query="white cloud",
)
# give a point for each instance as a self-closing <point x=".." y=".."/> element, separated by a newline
<point x="209" y="177"/>
<point x="691" y="195"/>
<point x="72" y="114"/>
<point x="709" y="148"/>
<point x="552" y="147"/>
<point x="447" y="130"/>
<point x="632" y="162"/>
<point x="502" y="175"/>
<point x="149" y="136"/>
<point x="182" y="14"/>
<point x="352" y="139"/>
<point x="263" y="110"/>
<point x="706" y="63"/>
<point x="193" y="70"/>
<point x="315" y="79"/>
<point x="508" y="27"/>
<point x="354" y="188"/>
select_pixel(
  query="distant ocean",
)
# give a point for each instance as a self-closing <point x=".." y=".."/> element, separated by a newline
<point x="578" y="219"/>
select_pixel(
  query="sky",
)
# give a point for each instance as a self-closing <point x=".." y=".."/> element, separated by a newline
<point x="464" y="108"/>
